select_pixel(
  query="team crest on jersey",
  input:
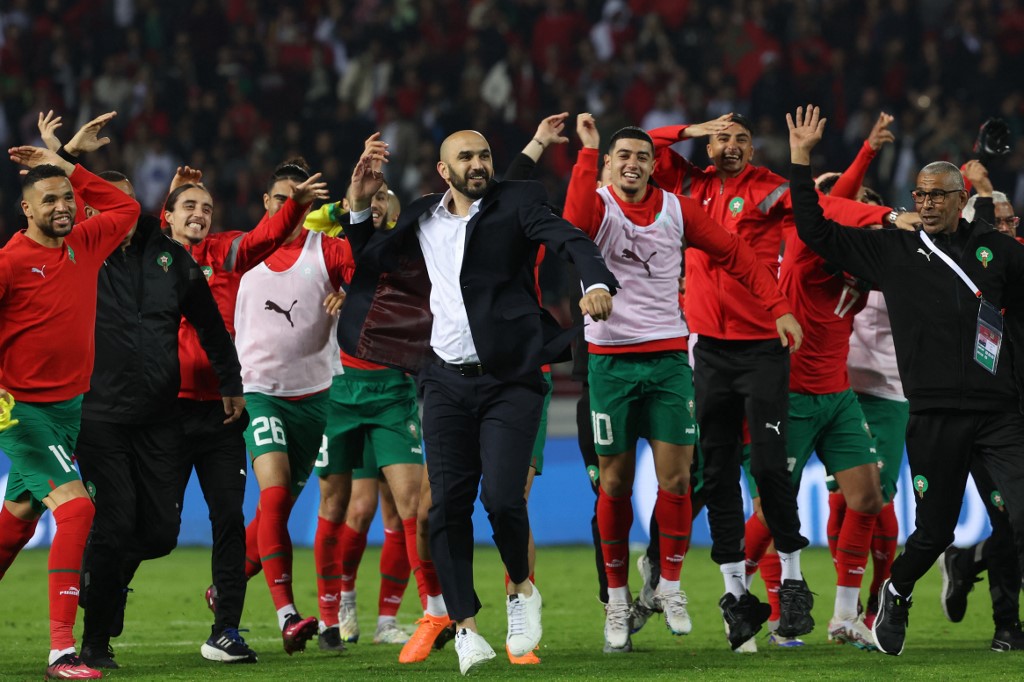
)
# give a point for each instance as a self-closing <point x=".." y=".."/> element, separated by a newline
<point x="985" y="255"/>
<point x="207" y="272"/>
<point x="164" y="260"/>
<point x="735" y="206"/>
<point x="997" y="500"/>
<point x="71" y="255"/>
<point x="920" y="485"/>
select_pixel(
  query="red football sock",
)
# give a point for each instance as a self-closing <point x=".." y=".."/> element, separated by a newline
<point x="422" y="586"/>
<point x="771" y="573"/>
<point x="673" y="513"/>
<point x="853" y="546"/>
<point x="614" y="518"/>
<point x="74" y="519"/>
<point x="275" y="544"/>
<point x="253" y="565"/>
<point x="14" y="534"/>
<point x="433" y="585"/>
<point x="327" y="555"/>
<point x="353" y="544"/>
<point x="836" y="511"/>
<point x="756" y="538"/>
<point x="394" y="572"/>
<point x="883" y="546"/>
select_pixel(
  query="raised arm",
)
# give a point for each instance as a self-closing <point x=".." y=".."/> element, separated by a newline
<point x="672" y="168"/>
<point x="849" y="183"/>
<point x="549" y="132"/>
<point x="583" y="207"/>
<point x="860" y="252"/>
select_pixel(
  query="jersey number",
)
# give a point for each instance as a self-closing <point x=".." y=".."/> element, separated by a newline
<point x="263" y="425"/>
<point x="847" y="299"/>
<point x="602" y="424"/>
<point x="321" y="458"/>
<point x="62" y="457"/>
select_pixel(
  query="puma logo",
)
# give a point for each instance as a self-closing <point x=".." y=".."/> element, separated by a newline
<point x="278" y="309"/>
<point x="926" y="254"/>
<point x="40" y="271"/>
<point x="629" y="255"/>
<point x="774" y="427"/>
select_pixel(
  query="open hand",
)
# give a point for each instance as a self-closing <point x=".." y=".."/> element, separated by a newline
<point x="806" y="129"/>
<point x="85" y="139"/>
<point x="305" y="192"/>
<point x="48" y="125"/>
<point x="880" y="133"/>
<point x="586" y="129"/>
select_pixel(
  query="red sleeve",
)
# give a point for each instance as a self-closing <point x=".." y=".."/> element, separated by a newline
<point x="338" y="257"/>
<point x="583" y="207"/>
<point x="732" y="254"/>
<point x="267" y="236"/>
<point x="670" y="168"/>
<point x="118" y="212"/>
<point x="840" y="210"/>
<point x="849" y="183"/>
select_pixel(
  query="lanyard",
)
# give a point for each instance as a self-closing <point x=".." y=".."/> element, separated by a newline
<point x="951" y="263"/>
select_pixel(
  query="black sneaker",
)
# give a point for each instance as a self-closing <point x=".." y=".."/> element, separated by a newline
<point x="117" y="624"/>
<point x="956" y="585"/>
<point x="795" y="604"/>
<point x="446" y="635"/>
<point x="744" y="616"/>
<point x="330" y="640"/>
<point x="890" y="627"/>
<point x="99" y="657"/>
<point x="1009" y="639"/>
<point x="228" y="647"/>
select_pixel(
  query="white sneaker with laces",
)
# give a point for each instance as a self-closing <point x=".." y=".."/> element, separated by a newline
<point x="524" y="623"/>
<point x="851" y="630"/>
<point x="348" y="626"/>
<point x="390" y="633"/>
<point x="616" y="624"/>
<point x="473" y="650"/>
<point x="677" y="618"/>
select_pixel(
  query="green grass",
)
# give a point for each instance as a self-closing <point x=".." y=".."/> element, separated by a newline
<point x="167" y="620"/>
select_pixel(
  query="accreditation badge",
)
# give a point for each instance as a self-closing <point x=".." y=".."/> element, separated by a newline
<point x="989" y="338"/>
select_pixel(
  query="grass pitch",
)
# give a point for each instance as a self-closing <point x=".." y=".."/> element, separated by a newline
<point x="167" y="620"/>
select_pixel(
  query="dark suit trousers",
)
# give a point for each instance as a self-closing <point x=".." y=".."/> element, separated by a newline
<point x="942" y="446"/>
<point x="479" y="433"/>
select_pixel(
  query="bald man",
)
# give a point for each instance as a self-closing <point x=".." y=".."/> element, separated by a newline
<point x="450" y="294"/>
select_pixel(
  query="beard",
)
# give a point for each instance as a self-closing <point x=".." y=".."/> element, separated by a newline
<point x="461" y="183"/>
<point x="53" y="231"/>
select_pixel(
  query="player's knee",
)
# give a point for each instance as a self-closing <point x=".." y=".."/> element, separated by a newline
<point x="867" y="501"/>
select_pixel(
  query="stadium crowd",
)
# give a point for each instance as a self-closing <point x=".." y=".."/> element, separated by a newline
<point x="770" y="338"/>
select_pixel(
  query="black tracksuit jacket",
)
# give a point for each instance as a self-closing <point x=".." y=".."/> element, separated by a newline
<point x="144" y="290"/>
<point x="933" y="312"/>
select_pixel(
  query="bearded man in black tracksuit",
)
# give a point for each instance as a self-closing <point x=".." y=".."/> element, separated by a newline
<point x="946" y="287"/>
<point x="129" y="448"/>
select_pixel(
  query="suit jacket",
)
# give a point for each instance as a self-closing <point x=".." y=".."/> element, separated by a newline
<point x="386" y="317"/>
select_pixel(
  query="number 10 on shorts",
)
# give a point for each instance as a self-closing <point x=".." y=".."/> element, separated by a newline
<point x="602" y="425"/>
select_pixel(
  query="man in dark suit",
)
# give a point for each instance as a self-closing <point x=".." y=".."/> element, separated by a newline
<point x="449" y="293"/>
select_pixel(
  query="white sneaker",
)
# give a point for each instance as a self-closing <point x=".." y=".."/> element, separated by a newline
<point x="851" y="630"/>
<point x="473" y="650"/>
<point x="644" y="605"/>
<point x="389" y="633"/>
<point x="616" y="625"/>
<point x="524" y="624"/>
<point x="748" y="647"/>
<point x="677" y="618"/>
<point x="348" y="626"/>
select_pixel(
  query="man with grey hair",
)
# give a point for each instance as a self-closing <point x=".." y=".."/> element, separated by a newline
<point x="1006" y="220"/>
<point x="946" y="287"/>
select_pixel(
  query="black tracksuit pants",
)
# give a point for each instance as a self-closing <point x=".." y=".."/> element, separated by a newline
<point x="941" y="447"/>
<point x="217" y="451"/>
<point x="139" y="476"/>
<point x="733" y="380"/>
